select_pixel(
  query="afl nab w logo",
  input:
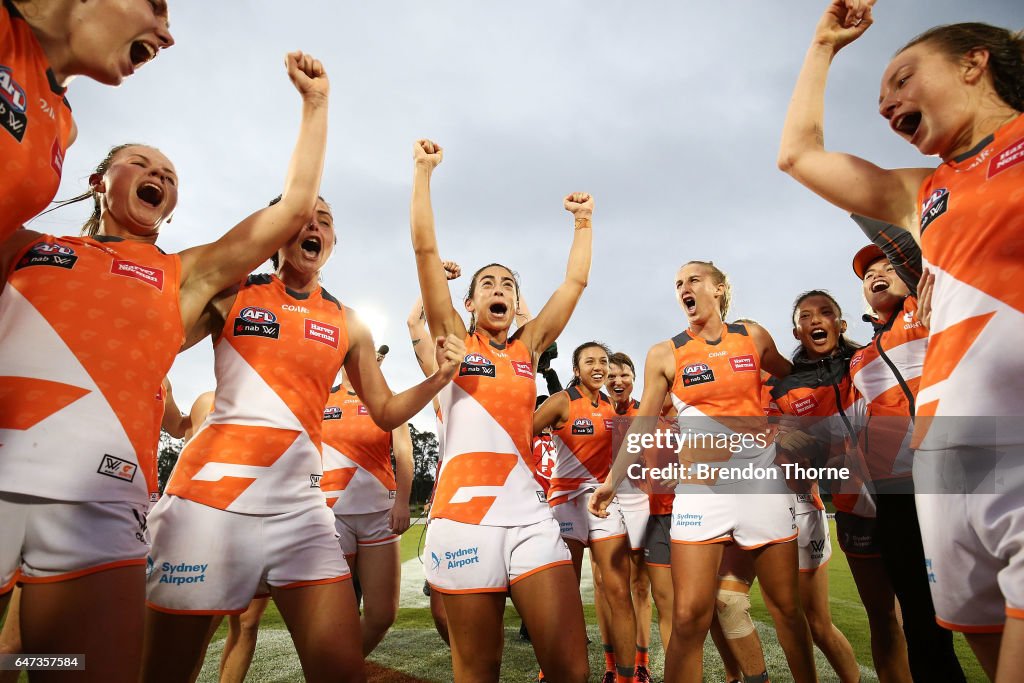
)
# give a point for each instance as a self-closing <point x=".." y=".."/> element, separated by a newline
<point x="697" y="373"/>
<point x="45" y="254"/>
<point x="475" y="365"/>
<point x="253" y="321"/>
<point x="583" y="426"/>
<point x="12" y="105"/>
<point x="332" y="413"/>
<point x="934" y="206"/>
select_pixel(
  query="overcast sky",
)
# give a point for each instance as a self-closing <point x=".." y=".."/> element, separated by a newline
<point x="669" y="113"/>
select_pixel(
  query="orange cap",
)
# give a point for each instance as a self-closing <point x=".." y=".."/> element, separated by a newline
<point x="864" y="258"/>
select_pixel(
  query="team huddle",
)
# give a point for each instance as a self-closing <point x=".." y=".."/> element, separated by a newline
<point x="296" y="472"/>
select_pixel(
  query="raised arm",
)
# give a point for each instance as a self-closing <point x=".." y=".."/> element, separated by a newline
<point x="210" y="268"/>
<point x="844" y="180"/>
<point x="442" y="318"/>
<point x="387" y="409"/>
<point x="552" y="319"/>
<point x="417" y="324"/>
<point x="401" y="446"/>
<point x="659" y="369"/>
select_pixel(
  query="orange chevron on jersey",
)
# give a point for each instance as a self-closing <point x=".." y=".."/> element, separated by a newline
<point x="583" y="447"/>
<point x="353" y="441"/>
<point x="35" y="124"/>
<point x="972" y="219"/>
<point x="83" y="352"/>
<point x="486" y="473"/>
<point x="259" y="450"/>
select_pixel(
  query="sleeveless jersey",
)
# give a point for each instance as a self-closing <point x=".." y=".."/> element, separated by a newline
<point x="972" y="220"/>
<point x="887" y="376"/>
<point x="259" y="450"/>
<point x="487" y="472"/>
<point x="88" y="329"/>
<point x="717" y="391"/>
<point x="35" y="124"/>
<point x="622" y="422"/>
<point x="358" y="477"/>
<point x="583" y="447"/>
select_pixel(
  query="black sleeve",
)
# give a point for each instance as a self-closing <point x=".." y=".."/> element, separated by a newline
<point x="899" y="247"/>
<point x="554" y="385"/>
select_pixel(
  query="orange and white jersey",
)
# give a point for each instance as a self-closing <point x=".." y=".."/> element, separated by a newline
<point x="721" y="381"/>
<point x="358" y="477"/>
<point x="259" y="450"/>
<point x="972" y="219"/>
<point x="487" y="472"/>
<point x="583" y="447"/>
<point x="627" y="486"/>
<point x="88" y="329"/>
<point x="887" y="375"/>
<point x="35" y="123"/>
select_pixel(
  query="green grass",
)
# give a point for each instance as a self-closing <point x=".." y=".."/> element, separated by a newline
<point x="414" y="647"/>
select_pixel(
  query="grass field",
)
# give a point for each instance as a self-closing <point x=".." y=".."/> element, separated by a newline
<point x="414" y="649"/>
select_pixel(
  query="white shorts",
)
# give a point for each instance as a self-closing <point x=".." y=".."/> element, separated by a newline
<point x="750" y="519"/>
<point x="575" y="521"/>
<point x="368" y="528"/>
<point x="815" y="542"/>
<point x="209" y="561"/>
<point x="636" y="510"/>
<point x="470" y="558"/>
<point x="982" y="532"/>
<point x="43" y="540"/>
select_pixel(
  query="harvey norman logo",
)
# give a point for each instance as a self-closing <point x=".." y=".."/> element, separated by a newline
<point x="322" y="332"/>
<point x="151" y="276"/>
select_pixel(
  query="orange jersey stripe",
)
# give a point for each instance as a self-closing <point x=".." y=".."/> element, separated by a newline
<point x="35" y="124"/>
<point x="91" y="326"/>
<point x="352" y="440"/>
<point x="276" y="358"/>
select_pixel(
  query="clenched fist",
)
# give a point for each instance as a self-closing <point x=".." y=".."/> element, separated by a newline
<point x="307" y="74"/>
<point x="449" y="353"/>
<point x="580" y="204"/>
<point x="427" y="153"/>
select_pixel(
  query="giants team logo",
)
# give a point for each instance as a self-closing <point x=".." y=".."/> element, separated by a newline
<point x="934" y="206"/>
<point x="322" y="332"/>
<point x="46" y="254"/>
<point x="1011" y="156"/>
<point x="12" y="105"/>
<point x="117" y="468"/>
<point x="522" y="369"/>
<point x="151" y="276"/>
<point x="743" y="364"/>
<point x="475" y="365"/>
<point x="332" y="413"/>
<point x="253" y="321"/>
<point x="697" y="373"/>
<point x="583" y="426"/>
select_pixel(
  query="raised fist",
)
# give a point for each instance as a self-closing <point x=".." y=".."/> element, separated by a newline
<point x="427" y="153"/>
<point x="307" y="75"/>
<point x="580" y="204"/>
<point x="452" y="270"/>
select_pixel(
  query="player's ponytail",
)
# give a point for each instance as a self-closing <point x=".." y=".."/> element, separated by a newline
<point x="92" y="225"/>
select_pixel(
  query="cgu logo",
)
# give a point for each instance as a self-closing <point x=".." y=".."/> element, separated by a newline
<point x="11" y="91"/>
<point x="255" y="314"/>
<point x="695" y="369"/>
<point x="45" y="248"/>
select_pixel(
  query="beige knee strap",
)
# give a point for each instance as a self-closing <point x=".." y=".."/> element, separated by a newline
<point x="734" y="614"/>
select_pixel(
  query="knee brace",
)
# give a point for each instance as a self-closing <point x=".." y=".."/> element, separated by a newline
<point x="734" y="614"/>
